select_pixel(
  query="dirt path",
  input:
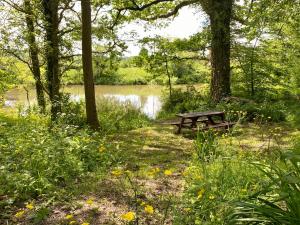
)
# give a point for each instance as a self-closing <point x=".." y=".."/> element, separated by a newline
<point x="150" y="174"/>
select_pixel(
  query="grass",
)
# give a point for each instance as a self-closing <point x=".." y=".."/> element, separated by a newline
<point x="133" y="75"/>
<point x="105" y="177"/>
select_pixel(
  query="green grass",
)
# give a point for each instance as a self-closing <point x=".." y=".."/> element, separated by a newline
<point x="70" y="165"/>
<point x="133" y="75"/>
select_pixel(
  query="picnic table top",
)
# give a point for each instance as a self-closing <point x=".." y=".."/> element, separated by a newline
<point x="199" y="114"/>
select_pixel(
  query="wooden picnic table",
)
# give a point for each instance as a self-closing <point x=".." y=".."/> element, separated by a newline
<point x="202" y="117"/>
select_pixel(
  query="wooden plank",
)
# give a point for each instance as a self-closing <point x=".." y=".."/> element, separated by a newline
<point x="219" y="125"/>
<point x="199" y="114"/>
<point x="177" y="122"/>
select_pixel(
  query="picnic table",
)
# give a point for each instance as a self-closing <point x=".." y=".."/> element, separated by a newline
<point x="191" y="121"/>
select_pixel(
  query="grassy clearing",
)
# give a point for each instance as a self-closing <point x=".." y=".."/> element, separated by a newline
<point x="156" y="169"/>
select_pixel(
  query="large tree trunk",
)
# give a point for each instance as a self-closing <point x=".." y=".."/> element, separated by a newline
<point x="220" y="12"/>
<point x="33" y="50"/>
<point x="50" y="8"/>
<point x="89" y="88"/>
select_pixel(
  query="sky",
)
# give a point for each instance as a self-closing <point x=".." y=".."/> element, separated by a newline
<point x="188" y="22"/>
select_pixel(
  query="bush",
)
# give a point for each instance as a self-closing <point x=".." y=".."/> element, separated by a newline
<point x="183" y="101"/>
<point x="36" y="160"/>
<point x="277" y="202"/>
<point x="265" y="111"/>
<point x="133" y="75"/>
<point x="211" y="188"/>
<point x="115" y="116"/>
<point x="218" y="176"/>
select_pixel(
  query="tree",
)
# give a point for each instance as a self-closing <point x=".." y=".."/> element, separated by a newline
<point x="89" y="88"/>
<point x="220" y="15"/>
<point x="22" y="44"/>
<point x="34" y="55"/>
<point x="51" y="23"/>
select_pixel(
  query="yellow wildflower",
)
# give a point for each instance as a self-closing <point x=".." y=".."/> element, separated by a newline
<point x="198" y="177"/>
<point x="187" y="209"/>
<point x="211" y="197"/>
<point x="128" y="216"/>
<point x="101" y="149"/>
<point x="69" y="216"/>
<point x="72" y="222"/>
<point x="200" y="193"/>
<point x="149" y="209"/>
<point x="117" y="172"/>
<point x="20" y="214"/>
<point x="85" y="223"/>
<point x="90" y="201"/>
<point x="29" y="206"/>
<point x="168" y="172"/>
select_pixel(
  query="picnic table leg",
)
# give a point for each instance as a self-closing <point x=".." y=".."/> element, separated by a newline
<point x="180" y="126"/>
<point x="210" y="120"/>
<point x="223" y="117"/>
<point x="194" y="122"/>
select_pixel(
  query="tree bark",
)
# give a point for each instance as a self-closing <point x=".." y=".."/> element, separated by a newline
<point x="220" y="13"/>
<point x="33" y="51"/>
<point x="89" y="88"/>
<point x="50" y="8"/>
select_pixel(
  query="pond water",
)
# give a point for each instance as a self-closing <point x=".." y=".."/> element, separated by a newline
<point x="144" y="97"/>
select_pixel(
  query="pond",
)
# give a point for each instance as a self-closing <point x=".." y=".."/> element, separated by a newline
<point x="144" y="97"/>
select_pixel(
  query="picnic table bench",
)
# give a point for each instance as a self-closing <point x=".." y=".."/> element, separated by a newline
<point x="191" y="121"/>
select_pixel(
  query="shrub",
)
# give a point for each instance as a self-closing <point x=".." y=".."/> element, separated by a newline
<point x="184" y="101"/>
<point x="36" y="160"/>
<point x="115" y="116"/>
<point x="278" y="202"/>
<point x="265" y="111"/>
<point x="217" y="177"/>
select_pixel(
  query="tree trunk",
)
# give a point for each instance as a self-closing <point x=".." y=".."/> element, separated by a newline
<point x="33" y="51"/>
<point x="50" y="8"/>
<point x="89" y="88"/>
<point x="220" y="12"/>
<point x="169" y="77"/>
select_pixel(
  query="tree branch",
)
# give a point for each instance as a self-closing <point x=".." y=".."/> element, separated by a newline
<point x="174" y="11"/>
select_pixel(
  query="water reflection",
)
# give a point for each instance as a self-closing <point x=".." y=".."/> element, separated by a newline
<point x="145" y="97"/>
<point x="150" y="105"/>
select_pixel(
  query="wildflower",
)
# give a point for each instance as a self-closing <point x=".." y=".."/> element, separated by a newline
<point x="20" y="214"/>
<point x="153" y="172"/>
<point x="185" y="173"/>
<point x="29" y="206"/>
<point x="117" y="172"/>
<point x="198" y="177"/>
<point x="69" y="216"/>
<point x="85" y="223"/>
<point x="72" y="222"/>
<point x="90" y="201"/>
<point x="187" y="209"/>
<point x="200" y="193"/>
<point x="168" y="172"/>
<point x="101" y="149"/>
<point x="244" y="190"/>
<point x="211" y="197"/>
<point x="149" y="209"/>
<point x="128" y="216"/>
